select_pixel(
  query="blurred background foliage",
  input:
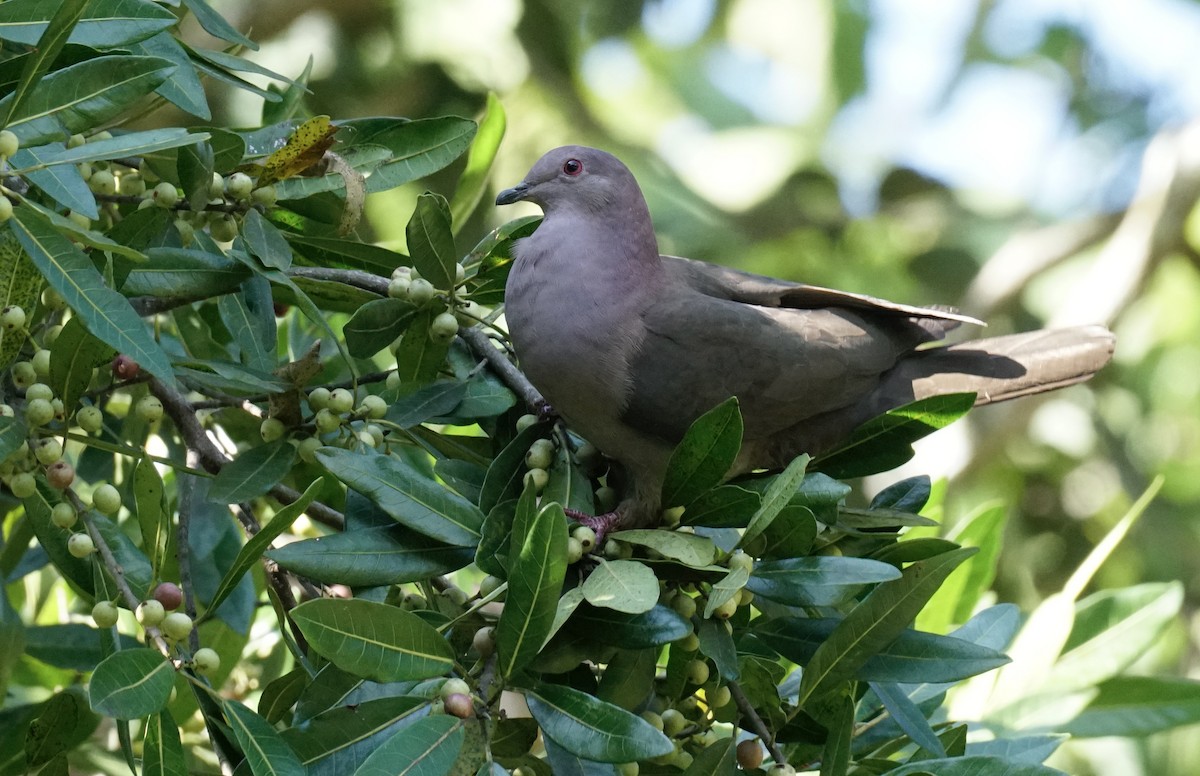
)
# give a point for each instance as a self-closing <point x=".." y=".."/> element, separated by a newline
<point x="1036" y="162"/>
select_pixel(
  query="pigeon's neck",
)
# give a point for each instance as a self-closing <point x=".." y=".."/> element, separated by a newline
<point x="618" y="235"/>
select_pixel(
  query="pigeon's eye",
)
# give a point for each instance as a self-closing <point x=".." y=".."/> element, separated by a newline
<point x="572" y="167"/>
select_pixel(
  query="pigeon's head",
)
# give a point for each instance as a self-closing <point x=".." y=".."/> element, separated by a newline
<point x="575" y="178"/>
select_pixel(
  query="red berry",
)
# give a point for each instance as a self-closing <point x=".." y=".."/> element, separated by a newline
<point x="124" y="367"/>
<point x="460" y="705"/>
<point x="169" y="595"/>
<point x="60" y="474"/>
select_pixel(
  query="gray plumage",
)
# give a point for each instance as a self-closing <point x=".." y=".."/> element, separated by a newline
<point x="630" y="347"/>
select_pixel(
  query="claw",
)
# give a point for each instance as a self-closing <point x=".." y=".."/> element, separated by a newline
<point x="600" y="524"/>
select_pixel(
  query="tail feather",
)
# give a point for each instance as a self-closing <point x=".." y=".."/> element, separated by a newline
<point x="999" y="368"/>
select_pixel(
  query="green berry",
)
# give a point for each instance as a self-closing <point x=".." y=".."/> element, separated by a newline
<point x="719" y="697"/>
<point x="12" y="318"/>
<point x="673" y="721"/>
<point x="104" y="614"/>
<point x="684" y="605"/>
<point x="454" y="686"/>
<point x="103" y="182"/>
<point x="80" y="545"/>
<point x="540" y="454"/>
<point x="23" y="374"/>
<point x="525" y="421"/>
<point x="41" y="361"/>
<point x="216" y="188"/>
<point x="39" y="391"/>
<point x="420" y="291"/>
<point x="47" y="451"/>
<point x="327" y="421"/>
<point x="539" y="478"/>
<point x="9" y="143"/>
<point x="23" y="485"/>
<point x="374" y="407"/>
<point x="585" y="536"/>
<point x="165" y="194"/>
<point x="79" y="219"/>
<point x="206" y="661"/>
<point x="224" y="229"/>
<point x="341" y="400"/>
<point x="574" y="548"/>
<point x="106" y="499"/>
<point x="150" y="409"/>
<point x="393" y="379"/>
<point x="318" y="398"/>
<point x="6" y="209"/>
<point x="726" y="610"/>
<point x="460" y="274"/>
<point x="272" y="429"/>
<point x="738" y="559"/>
<point x="264" y="196"/>
<point x="63" y="515"/>
<point x="308" y="449"/>
<point x="75" y="141"/>
<point x="689" y="643"/>
<point x="176" y="625"/>
<point x="484" y="641"/>
<point x="38" y="412"/>
<point x="698" y="672"/>
<point x="398" y="288"/>
<point x="239" y="185"/>
<point x="90" y="419"/>
<point x="132" y="184"/>
<point x="150" y="613"/>
<point x="444" y="328"/>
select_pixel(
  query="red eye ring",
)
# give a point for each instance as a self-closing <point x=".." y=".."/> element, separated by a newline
<point x="572" y="167"/>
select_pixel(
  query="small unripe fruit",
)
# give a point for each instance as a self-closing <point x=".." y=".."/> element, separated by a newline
<point x="781" y="769"/>
<point x="80" y="545"/>
<point x="132" y="184"/>
<point x="187" y="232"/>
<point x="150" y="613"/>
<point x="224" y="229"/>
<point x="265" y="196"/>
<point x="176" y="625"/>
<point x="484" y="641"/>
<point x="9" y="143"/>
<point x="125" y="368"/>
<point x="106" y="499"/>
<point x="308" y="449"/>
<point x="165" y="194"/>
<point x="63" y="515"/>
<point x="655" y="720"/>
<point x="150" y="409"/>
<point x="444" y="328"/>
<point x="23" y="374"/>
<point x="239" y="185"/>
<point x="272" y="429"/>
<point x="6" y="209"/>
<point x="689" y="643"/>
<point x="169" y="595"/>
<point x="606" y="498"/>
<point x="76" y="140"/>
<point x="738" y="559"/>
<point x="698" y="672"/>
<point x="60" y="475"/>
<point x="341" y="400"/>
<point x="41" y="359"/>
<point x="104" y="614"/>
<point x="60" y="410"/>
<point x="453" y="686"/>
<point x="539" y="478"/>
<point x="393" y="379"/>
<point x="23" y="485"/>
<point x="318" y="398"/>
<point x="684" y="605"/>
<point x="206" y="661"/>
<point x="628" y="769"/>
<point x="39" y="391"/>
<point x="103" y="182"/>
<point x="574" y="549"/>
<point x="586" y="537"/>
<point x="398" y="288"/>
<point x="12" y="318"/>
<point x="540" y="454"/>
<point x="459" y="705"/>
<point x="374" y="407"/>
<point x="38" y="412"/>
<point x="673" y="721"/>
<point x="103" y="134"/>
<point x="90" y="419"/>
<point x="326" y="421"/>
<point x="749" y="754"/>
<point x="47" y="451"/>
<point x="6" y="411"/>
<point x="216" y="187"/>
<point x="525" y="421"/>
<point x="719" y="697"/>
<point x="420" y="291"/>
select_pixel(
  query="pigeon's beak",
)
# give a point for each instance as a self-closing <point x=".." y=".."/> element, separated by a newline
<point x="515" y="194"/>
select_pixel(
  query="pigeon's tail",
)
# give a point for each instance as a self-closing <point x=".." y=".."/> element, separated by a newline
<point x="999" y="368"/>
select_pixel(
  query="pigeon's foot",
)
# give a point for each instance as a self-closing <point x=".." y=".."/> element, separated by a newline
<point x="545" y="411"/>
<point x="600" y="524"/>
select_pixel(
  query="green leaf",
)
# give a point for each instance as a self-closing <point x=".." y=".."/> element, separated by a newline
<point x="886" y="442"/>
<point x="725" y="506"/>
<point x="338" y="739"/>
<point x="20" y="285"/>
<point x="661" y="625"/>
<point x="373" y="641"/>
<point x="184" y="274"/>
<point x="13" y="434"/>
<point x="473" y="179"/>
<point x="336" y="252"/>
<point x="504" y="475"/>
<point x="47" y="48"/>
<point x="592" y="729"/>
<point x="214" y="24"/>
<point x="390" y="555"/>
<point x="63" y="722"/>
<point x="876" y="622"/>
<point x="839" y="720"/>
<point x="73" y="357"/>
<point x="130" y="144"/>
<point x="704" y="455"/>
<point x="376" y="325"/>
<point x="182" y="86"/>
<point x="104" y="23"/>
<point x="419" y="148"/>
<point x="909" y="495"/>
<point x="194" y="166"/>
<point x="253" y="550"/>
<point x="428" y="747"/>
<point x="628" y="678"/>
<point x="150" y="507"/>
<point x="567" y="485"/>
<point x="266" y="752"/>
<point x="537" y="568"/>
<point x="131" y="683"/>
<point x="406" y="494"/>
<point x="249" y="315"/>
<point x="717" y="643"/>
<point x="725" y="589"/>
<point x="429" y="401"/>
<point x="77" y="571"/>
<point x="962" y="591"/>
<point x="909" y="717"/>
<point x="689" y="549"/>
<point x="83" y="95"/>
<point x="625" y="585"/>
<point x="106" y="313"/>
<point x="973" y="766"/>
<point x="162" y="752"/>
<point x="777" y="496"/>
<point x="253" y="472"/>
<point x="265" y="241"/>
<point x="430" y="241"/>
<point x="1138" y="706"/>
<point x="816" y="581"/>
<point x="419" y="358"/>
<point x="63" y="184"/>
<point x="717" y="759"/>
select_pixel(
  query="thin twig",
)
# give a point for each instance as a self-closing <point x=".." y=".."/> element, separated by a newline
<point x="506" y="370"/>
<point x="750" y="715"/>
<point x="187" y="496"/>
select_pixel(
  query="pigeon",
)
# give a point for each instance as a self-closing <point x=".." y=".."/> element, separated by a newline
<point x="629" y="347"/>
